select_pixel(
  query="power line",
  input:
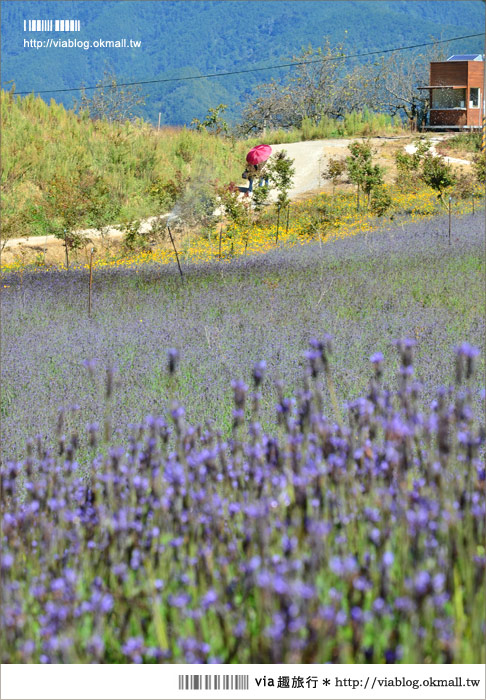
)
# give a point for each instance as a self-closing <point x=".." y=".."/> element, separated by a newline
<point x="254" y="70"/>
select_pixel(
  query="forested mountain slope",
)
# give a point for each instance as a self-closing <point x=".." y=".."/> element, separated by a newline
<point x="194" y="38"/>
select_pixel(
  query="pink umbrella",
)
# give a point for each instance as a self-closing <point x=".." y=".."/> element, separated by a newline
<point x="258" y="154"/>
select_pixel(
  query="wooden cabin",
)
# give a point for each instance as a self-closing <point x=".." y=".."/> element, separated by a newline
<point x="456" y="92"/>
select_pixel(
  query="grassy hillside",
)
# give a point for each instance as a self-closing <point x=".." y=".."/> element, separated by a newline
<point x="106" y="173"/>
<point x="118" y="167"/>
<point x="196" y="38"/>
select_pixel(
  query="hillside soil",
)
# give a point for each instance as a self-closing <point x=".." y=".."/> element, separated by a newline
<point x="311" y="159"/>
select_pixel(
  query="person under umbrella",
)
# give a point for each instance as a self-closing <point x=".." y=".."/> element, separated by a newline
<point x="255" y="165"/>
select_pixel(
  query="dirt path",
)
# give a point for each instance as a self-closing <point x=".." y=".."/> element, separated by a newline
<point x="410" y="148"/>
<point x="311" y="159"/>
<point x="51" y="249"/>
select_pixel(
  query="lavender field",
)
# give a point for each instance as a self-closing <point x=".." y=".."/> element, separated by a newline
<point x="262" y="494"/>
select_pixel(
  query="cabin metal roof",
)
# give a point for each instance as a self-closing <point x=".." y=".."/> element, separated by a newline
<point x="466" y="57"/>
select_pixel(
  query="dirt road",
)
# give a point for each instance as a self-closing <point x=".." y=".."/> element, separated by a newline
<point x="311" y="159"/>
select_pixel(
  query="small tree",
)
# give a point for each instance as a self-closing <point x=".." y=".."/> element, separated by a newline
<point x="259" y="198"/>
<point x="335" y="170"/>
<point x="235" y="209"/>
<point x="408" y="164"/>
<point x="380" y="200"/>
<point x="479" y="167"/>
<point x="361" y="170"/>
<point x="73" y="201"/>
<point x="437" y="174"/>
<point x="321" y="221"/>
<point x="281" y="172"/>
<point x="167" y="192"/>
<point x="110" y="100"/>
<point x="213" y="122"/>
<point x="133" y="238"/>
<point x="15" y="220"/>
<point x="465" y="185"/>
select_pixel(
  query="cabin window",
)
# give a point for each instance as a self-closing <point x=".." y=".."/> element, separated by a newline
<point x="474" y="97"/>
<point x="449" y="98"/>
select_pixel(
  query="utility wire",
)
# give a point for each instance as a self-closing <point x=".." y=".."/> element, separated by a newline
<point x="254" y="70"/>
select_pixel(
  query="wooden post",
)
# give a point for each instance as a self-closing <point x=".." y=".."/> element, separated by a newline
<point x="220" y="236"/>
<point x="473" y="203"/>
<point x="278" y="223"/>
<point x="66" y="250"/>
<point x="450" y="200"/>
<point x="175" y="251"/>
<point x="288" y="214"/>
<point x="90" y="280"/>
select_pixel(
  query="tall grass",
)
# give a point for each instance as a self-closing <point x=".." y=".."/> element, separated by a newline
<point x="353" y="124"/>
<point x="464" y="142"/>
<point x="43" y="141"/>
<point x="133" y="161"/>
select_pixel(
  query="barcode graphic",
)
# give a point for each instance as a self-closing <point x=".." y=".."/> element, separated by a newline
<point x="52" y="25"/>
<point x="223" y="682"/>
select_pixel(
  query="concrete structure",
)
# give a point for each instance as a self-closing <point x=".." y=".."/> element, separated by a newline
<point x="456" y="93"/>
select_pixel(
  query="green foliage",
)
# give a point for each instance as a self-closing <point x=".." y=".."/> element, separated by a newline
<point x="464" y="142"/>
<point x="166" y="192"/>
<point x="361" y="169"/>
<point x="260" y="198"/>
<point x="366" y="123"/>
<point x="212" y="122"/>
<point x="133" y="239"/>
<point x="281" y="171"/>
<point x="235" y="209"/>
<point x="321" y="220"/>
<point x="335" y="170"/>
<point x="424" y="165"/>
<point x="15" y="218"/>
<point x="380" y="200"/>
<point x="185" y="147"/>
<point x="465" y="186"/>
<point x="136" y="170"/>
<point x="436" y="173"/>
<point x="197" y="203"/>
<point x="81" y="198"/>
<point x="369" y="124"/>
<point x="410" y="162"/>
<point x="479" y="167"/>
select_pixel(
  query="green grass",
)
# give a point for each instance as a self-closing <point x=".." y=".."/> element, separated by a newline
<point x="465" y="142"/>
<point x="122" y="171"/>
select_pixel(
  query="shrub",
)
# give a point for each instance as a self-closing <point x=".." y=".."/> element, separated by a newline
<point x="236" y="209"/>
<point x="479" y="166"/>
<point x="335" y="170"/>
<point x="133" y="238"/>
<point x="437" y="174"/>
<point x="380" y="200"/>
<point x="465" y="185"/>
<point x="281" y="171"/>
<point x="166" y="192"/>
<point x="361" y="170"/>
